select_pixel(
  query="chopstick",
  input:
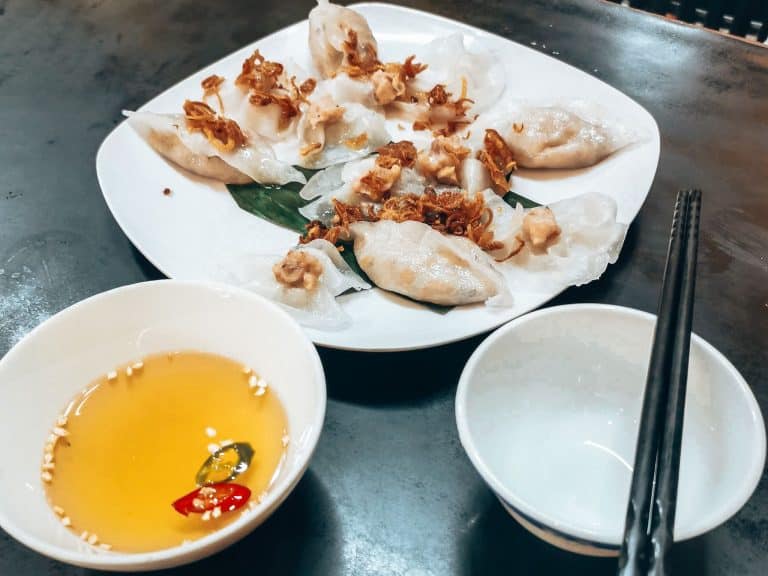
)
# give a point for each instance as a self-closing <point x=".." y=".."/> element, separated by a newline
<point x="659" y="440"/>
<point x="668" y="466"/>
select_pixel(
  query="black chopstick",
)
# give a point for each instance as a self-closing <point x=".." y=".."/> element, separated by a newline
<point x="668" y="466"/>
<point x="670" y="348"/>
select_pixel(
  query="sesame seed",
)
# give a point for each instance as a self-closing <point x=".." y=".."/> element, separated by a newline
<point x="112" y="375"/>
<point x="260" y="391"/>
<point x="48" y="457"/>
<point x="198" y="503"/>
<point x="59" y="431"/>
<point x="58" y="510"/>
<point x="261" y="383"/>
<point x="213" y="447"/>
<point x="52" y="439"/>
<point x="105" y="546"/>
<point x="253" y="381"/>
<point x="246" y="370"/>
<point x="210" y="432"/>
<point x="46" y="476"/>
<point x="129" y="371"/>
<point x="207" y="491"/>
<point x="84" y="535"/>
<point x="226" y="442"/>
<point x="48" y="466"/>
<point x="216" y="512"/>
<point x="61" y="421"/>
<point x="286" y="439"/>
<point x="206" y="516"/>
<point x="66" y="521"/>
<point x="138" y="365"/>
<point x="92" y="539"/>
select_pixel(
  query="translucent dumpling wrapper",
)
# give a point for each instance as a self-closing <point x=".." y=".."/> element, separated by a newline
<point x="506" y="225"/>
<point x="338" y="182"/>
<point x="475" y="74"/>
<point x="316" y="308"/>
<point x="334" y="182"/>
<point x="344" y="90"/>
<point x="569" y="136"/>
<point x="329" y="28"/>
<point x="590" y="239"/>
<point x="474" y="176"/>
<point x="354" y="132"/>
<point x="414" y="260"/>
<point x="169" y="136"/>
<point x="266" y="121"/>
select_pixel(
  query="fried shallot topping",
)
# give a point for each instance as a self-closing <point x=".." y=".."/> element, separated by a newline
<point x="376" y="184"/>
<point x="307" y="87"/>
<point x="211" y="87"/>
<point x="298" y="270"/>
<point x="320" y="113"/>
<point x="222" y="132"/>
<point x="498" y="158"/>
<point x="390" y="83"/>
<point x="442" y="160"/>
<point x="452" y="212"/>
<point x="260" y="74"/>
<point x="403" y="152"/>
<point x="540" y="230"/>
<point x="289" y="108"/>
<point x="445" y="116"/>
<point x="359" y="60"/>
<point x="264" y="80"/>
<point x="324" y="112"/>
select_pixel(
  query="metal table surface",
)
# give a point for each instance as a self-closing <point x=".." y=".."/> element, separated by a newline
<point x="390" y="491"/>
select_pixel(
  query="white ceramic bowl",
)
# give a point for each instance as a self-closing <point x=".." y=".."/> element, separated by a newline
<point x="58" y="358"/>
<point x="547" y="410"/>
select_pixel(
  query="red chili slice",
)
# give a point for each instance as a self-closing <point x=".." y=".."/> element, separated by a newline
<point x="227" y="496"/>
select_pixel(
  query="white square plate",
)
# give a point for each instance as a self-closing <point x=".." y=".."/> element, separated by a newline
<point x="194" y="232"/>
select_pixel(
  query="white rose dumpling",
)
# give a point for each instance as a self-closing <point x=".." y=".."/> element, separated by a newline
<point x="330" y="26"/>
<point x="475" y="74"/>
<point x="551" y="136"/>
<point x="305" y="281"/>
<point x="170" y="136"/>
<point x="414" y="260"/>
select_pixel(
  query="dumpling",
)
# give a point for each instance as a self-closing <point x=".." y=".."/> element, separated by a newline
<point x="333" y="182"/>
<point x="330" y="133"/>
<point x="506" y="225"/>
<point x="264" y="99"/>
<point x="171" y="137"/>
<point x="473" y="74"/>
<point x="551" y="136"/>
<point x="342" y="90"/>
<point x="414" y="260"/>
<point x="339" y="37"/>
<point x="474" y="176"/>
<point x="305" y="282"/>
<point x="369" y="181"/>
<point x="588" y="238"/>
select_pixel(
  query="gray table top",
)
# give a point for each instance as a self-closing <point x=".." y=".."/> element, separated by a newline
<point x="390" y="491"/>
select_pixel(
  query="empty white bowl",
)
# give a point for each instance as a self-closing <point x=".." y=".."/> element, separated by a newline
<point x="547" y="409"/>
<point x="61" y="356"/>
